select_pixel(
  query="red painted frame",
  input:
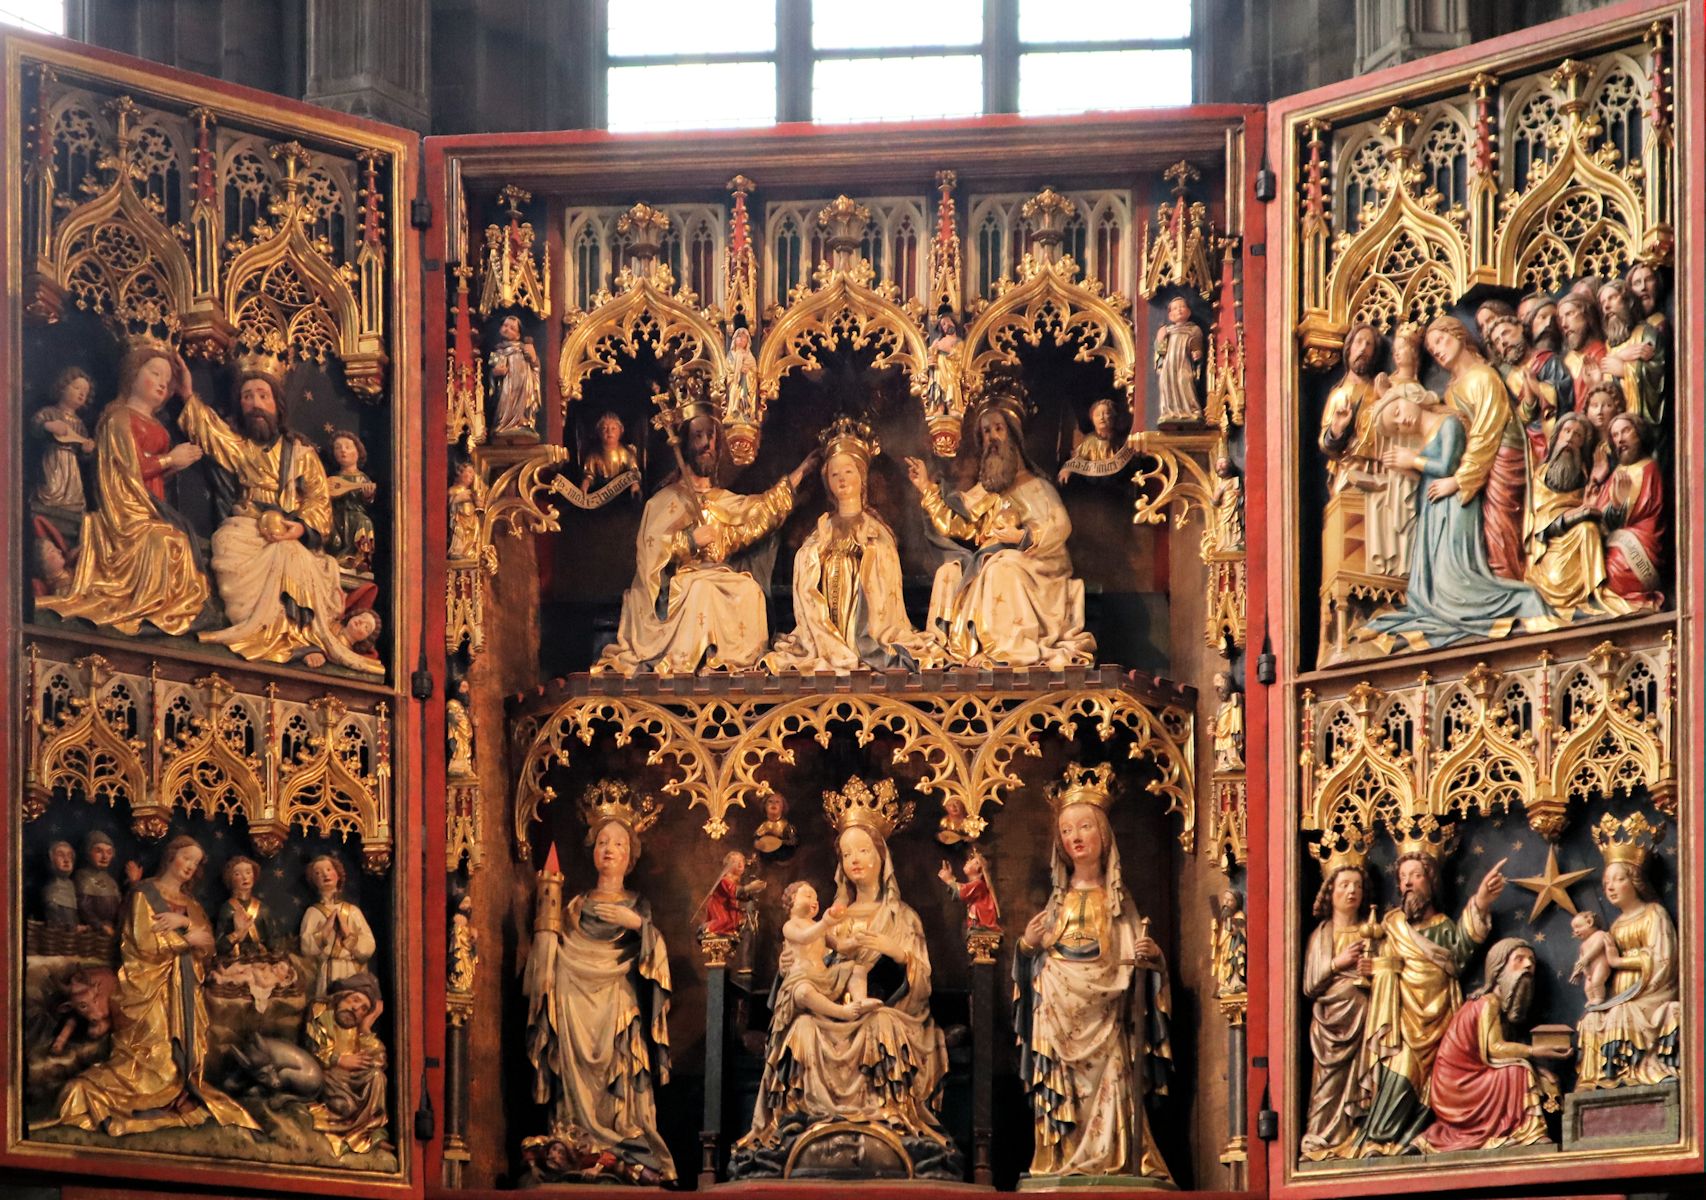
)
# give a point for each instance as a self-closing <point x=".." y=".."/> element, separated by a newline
<point x="412" y="757"/>
<point x="1270" y="559"/>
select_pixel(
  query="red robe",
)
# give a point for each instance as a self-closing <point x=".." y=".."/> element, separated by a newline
<point x="1634" y="553"/>
<point x="722" y="909"/>
<point x="152" y="444"/>
<point x="1481" y="1095"/>
<point x="980" y="904"/>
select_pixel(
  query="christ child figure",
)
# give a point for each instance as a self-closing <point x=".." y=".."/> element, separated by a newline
<point x="976" y="893"/>
<point x="1597" y="957"/>
<point x="810" y="981"/>
<point x="1178" y="361"/>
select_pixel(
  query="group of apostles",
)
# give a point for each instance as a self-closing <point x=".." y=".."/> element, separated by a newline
<point x="1003" y="595"/>
<point x="1532" y="493"/>
<point x="273" y="587"/>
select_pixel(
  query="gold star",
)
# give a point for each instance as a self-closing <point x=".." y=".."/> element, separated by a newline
<point x="1552" y="887"/>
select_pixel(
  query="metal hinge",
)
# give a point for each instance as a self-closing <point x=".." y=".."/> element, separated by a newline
<point x="420" y="214"/>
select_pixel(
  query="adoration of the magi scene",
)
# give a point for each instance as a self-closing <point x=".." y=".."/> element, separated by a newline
<point x="1106" y="652"/>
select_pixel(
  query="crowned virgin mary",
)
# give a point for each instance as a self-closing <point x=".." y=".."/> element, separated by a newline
<point x="856" y="1098"/>
<point x="847" y="581"/>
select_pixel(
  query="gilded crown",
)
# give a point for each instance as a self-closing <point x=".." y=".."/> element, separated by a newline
<point x="267" y="356"/>
<point x="1627" y="841"/>
<point x="1005" y="397"/>
<point x="686" y="399"/>
<point x="1423" y="834"/>
<point x="880" y="809"/>
<point x="1083" y="785"/>
<point x="850" y="436"/>
<point x="612" y="800"/>
<point x="1340" y="849"/>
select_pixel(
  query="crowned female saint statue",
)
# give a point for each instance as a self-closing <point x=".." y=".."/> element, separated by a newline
<point x="856" y="1097"/>
<point x="597" y="986"/>
<point x="847" y="581"/>
<point x="1091" y="1003"/>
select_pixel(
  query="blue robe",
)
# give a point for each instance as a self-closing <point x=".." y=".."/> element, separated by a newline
<point x="1453" y="594"/>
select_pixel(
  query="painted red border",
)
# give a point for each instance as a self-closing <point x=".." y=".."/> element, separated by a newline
<point x="66" y="1165"/>
<point x="1689" y="83"/>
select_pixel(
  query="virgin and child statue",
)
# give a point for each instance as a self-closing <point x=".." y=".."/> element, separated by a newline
<point x="852" y="1091"/>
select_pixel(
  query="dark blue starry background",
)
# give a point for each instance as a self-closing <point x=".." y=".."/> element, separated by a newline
<point x="1483" y="841"/>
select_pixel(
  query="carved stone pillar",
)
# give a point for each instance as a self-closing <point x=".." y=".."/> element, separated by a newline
<point x="1397" y="31"/>
<point x="371" y="58"/>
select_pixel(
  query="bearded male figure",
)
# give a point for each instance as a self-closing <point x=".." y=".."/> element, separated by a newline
<point x="1631" y="507"/>
<point x="1535" y="377"/>
<point x="1636" y="357"/>
<point x="1566" y="552"/>
<point x="694" y="603"/>
<point x="1486" y="1091"/>
<point x="1538" y="312"/>
<point x="282" y="592"/>
<point x="1006" y="595"/>
<point x="1584" y="341"/>
<point x="1414" y="995"/>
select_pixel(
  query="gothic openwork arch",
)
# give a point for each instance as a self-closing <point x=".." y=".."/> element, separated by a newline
<point x="1050" y="301"/>
<point x="285" y="291"/>
<point x="640" y="309"/>
<point x="842" y="307"/>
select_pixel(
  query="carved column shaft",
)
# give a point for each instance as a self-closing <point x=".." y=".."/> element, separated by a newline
<point x="370" y="58"/>
<point x="716" y="1046"/>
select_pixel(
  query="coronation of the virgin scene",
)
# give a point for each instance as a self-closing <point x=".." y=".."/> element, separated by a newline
<point x="797" y="598"/>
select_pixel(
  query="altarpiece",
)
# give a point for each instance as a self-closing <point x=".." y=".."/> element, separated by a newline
<point x="651" y="662"/>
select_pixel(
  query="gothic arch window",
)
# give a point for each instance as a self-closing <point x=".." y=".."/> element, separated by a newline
<point x="78" y="135"/>
<point x="326" y="199"/>
<point x="991" y="243"/>
<point x="160" y="159"/>
<point x="1444" y="158"/>
<point x="1535" y="114"/>
<point x="1618" y="97"/>
<point x="588" y="254"/>
<point x="787" y="247"/>
<point x="1107" y="258"/>
<point x="1361" y="183"/>
<point x="246" y="181"/>
<point x="906" y="261"/>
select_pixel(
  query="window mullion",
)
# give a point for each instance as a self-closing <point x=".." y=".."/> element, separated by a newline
<point x="1001" y="56"/>
<point x="793" y="60"/>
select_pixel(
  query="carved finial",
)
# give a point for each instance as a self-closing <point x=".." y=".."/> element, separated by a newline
<point x="1399" y="124"/>
<point x="512" y="198"/>
<point x="1181" y="175"/>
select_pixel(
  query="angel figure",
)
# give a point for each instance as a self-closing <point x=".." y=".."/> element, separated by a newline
<point x="352" y="493"/>
<point x="977" y="893"/>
